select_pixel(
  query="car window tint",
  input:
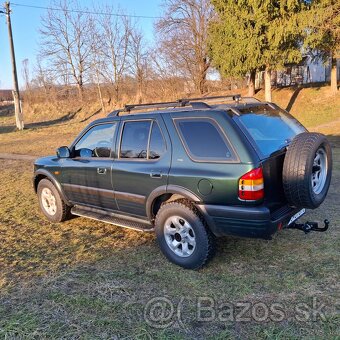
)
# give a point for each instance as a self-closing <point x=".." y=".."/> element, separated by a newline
<point x="204" y="139"/>
<point x="98" y="141"/>
<point x="135" y="138"/>
<point x="270" y="129"/>
<point x="157" y="145"/>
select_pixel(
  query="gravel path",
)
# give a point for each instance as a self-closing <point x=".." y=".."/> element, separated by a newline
<point x="15" y="156"/>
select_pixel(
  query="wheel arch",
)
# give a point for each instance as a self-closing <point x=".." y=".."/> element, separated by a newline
<point x="43" y="173"/>
<point x="168" y="193"/>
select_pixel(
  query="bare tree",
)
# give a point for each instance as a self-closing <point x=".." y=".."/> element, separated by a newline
<point x="114" y="38"/>
<point x="138" y="61"/>
<point x="26" y="74"/>
<point x="164" y="72"/>
<point x="96" y="75"/>
<point x="40" y="76"/>
<point x="183" y="35"/>
<point x="66" y="43"/>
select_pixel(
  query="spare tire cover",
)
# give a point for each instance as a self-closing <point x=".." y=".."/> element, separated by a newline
<point x="307" y="170"/>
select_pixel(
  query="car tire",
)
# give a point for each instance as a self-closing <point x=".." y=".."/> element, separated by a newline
<point x="51" y="203"/>
<point x="307" y="170"/>
<point x="183" y="235"/>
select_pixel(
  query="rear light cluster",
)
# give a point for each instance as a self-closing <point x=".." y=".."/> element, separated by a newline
<point x="250" y="185"/>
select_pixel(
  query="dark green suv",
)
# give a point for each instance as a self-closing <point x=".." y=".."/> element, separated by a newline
<point x="190" y="171"/>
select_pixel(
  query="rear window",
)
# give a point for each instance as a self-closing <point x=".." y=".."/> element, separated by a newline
<point x="203" y="139"/>
<point x="270" y="129"/>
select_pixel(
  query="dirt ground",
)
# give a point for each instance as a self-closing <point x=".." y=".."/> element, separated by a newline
<point x="86" y="279"/>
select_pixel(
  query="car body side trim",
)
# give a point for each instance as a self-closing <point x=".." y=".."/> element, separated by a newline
<point x="86" y="189"/>
<point x="126" y="196"/>
<point x="107" y="193"/>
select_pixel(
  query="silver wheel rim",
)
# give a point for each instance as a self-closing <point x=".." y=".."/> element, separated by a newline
<point x="319" y="171"/>
<point x="48" y="201"/>
<point x="179" y="236"/>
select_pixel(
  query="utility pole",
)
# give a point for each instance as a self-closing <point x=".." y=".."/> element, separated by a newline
<point x="16" y="95"/>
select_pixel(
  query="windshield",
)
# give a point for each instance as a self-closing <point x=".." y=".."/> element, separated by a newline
<point x="270" y="129"/>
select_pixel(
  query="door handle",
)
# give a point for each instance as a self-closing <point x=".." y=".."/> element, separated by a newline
<point x="101" y="171"/>
<point x="156" y="174"/>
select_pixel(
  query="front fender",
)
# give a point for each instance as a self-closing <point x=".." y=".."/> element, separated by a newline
<point x="47" y="174"/>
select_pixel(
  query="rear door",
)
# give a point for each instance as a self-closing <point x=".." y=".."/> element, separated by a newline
<point x="270" y="130"/>
<point x="142" y="163"/>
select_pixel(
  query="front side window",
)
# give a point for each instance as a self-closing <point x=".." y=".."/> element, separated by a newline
<point x="204" y="140"/>
<point x="134" y="143"/>
<point x="96" y="142"/>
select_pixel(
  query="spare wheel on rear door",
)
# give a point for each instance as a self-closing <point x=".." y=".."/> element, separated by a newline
<point x="307" y="170"/>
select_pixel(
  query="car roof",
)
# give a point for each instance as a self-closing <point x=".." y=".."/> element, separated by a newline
<point x="234" y="108"/>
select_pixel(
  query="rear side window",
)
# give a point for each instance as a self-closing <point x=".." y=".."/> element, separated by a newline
<point x="157" y="145"/>
<point x="135" y="138"/>
<point x="270" y="129"/>
<point x="142" y="140"/>
<point x="204" y="140"/>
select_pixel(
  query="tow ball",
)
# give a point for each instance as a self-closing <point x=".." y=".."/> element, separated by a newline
<point x="309" y="226"/>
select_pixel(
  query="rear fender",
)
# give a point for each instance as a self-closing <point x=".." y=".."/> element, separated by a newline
<point x="176" y="189"/>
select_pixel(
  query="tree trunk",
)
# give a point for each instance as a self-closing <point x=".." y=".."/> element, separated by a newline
<point x="267" y="84"/>
<point x="334" y="76"/>
<point x="251" y="85"/>
<point x="80" y="91"/>
<point x="116" y="92"/>
<point x="139" y="94"/>
<point x="202" y="76"/>
<point x="100" y="97"/>
<point x="140" y="86"/>
<point x="202" y="84"/>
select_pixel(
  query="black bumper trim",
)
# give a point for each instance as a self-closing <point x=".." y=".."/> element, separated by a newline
<point x="256" y="222"/>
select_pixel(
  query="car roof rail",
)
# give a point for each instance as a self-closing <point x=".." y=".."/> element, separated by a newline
<point x="234" y="97"/>
<point x="130" y="107"/>
<point x="114" y="113"/>
<point x="195" y="103"/>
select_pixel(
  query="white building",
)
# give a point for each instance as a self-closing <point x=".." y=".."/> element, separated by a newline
<point x="306" y="72"/>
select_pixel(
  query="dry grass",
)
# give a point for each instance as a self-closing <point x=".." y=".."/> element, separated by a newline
<point x="312" y="106"/>
<point x="85" y="279"/>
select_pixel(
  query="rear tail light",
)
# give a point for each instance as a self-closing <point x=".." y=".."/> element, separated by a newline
<point x="250" y="185"/>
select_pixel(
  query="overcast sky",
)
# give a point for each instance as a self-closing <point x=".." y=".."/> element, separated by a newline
<point x="26" y="23"/>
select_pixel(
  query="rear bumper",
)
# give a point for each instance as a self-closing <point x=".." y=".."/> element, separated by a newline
<point x="256" y="222"/>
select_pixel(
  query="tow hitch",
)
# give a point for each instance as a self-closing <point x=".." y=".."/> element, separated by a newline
<point x="309" y="226"/>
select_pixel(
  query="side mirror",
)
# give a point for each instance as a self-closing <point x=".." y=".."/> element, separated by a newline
<point x="63" y="152"/>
